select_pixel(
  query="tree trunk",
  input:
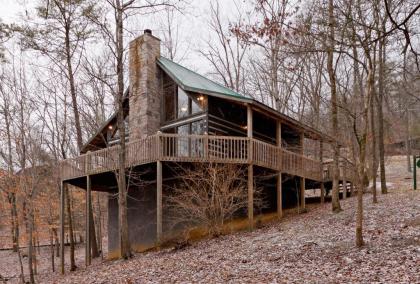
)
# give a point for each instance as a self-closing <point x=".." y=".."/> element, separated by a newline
<point x="71" y="235"/>
<point x="334" y="110"/>
<point x="57" y="242"/>
<point x="379" y="106"/>
<point x="407" y="141"/>
<point x="14" y="220"/>
<point x="52" y="250"/>
<point x="359" y="212"/>
<point x="34" y="260"/>
<point x="125" y="250"/>
<point x="93" y="241"/>
<point x="99" y="225"/>
<point x="374" y="158"/>
<point x="30" y="249"/>
<point x="362" y="153"/>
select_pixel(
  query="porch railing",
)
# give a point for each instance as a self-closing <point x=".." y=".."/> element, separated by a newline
<point x="193" y="148"/>
<point x="346" y="170"/>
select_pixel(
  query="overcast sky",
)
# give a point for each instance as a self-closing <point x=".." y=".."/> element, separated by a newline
<point x="193" y="33"/>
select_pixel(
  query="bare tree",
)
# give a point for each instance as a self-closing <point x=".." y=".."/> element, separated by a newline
<point x="113" y="34"/>
<point x="334" y="108"/>
<point x="227" y="54"/>
<point x="208" y="195"/>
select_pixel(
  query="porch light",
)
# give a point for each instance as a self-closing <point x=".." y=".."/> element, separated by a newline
<point x="200" y="98"/>
<point x="244" y="127"/>
<point x="110" y="127"/>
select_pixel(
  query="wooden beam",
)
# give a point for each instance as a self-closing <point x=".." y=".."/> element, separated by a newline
<point x="159" y="202"/>
<point x="279" y="178"/>
<point x="250" y="196"/>
<point x="322" y="192"/>
<point x="87" y="222"/>
<point x="302" y="193"/>
<point x="279" y="195"/>
<point x="62" y="227"/>
<point x="250" y="169"/>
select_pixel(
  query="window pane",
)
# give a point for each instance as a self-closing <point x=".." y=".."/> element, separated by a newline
<point x="182" y="103"/>
<point x="169" y="97"/>
<point x="183" y="141"/>
<point x="197" y="128"/>
<point x="198" y="103"/>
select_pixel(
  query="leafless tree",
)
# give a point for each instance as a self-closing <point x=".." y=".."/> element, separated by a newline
<point x="227" y="55"/>
<point x="209" y="195"/>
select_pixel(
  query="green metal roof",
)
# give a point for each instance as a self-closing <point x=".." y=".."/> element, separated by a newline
<point x="194" y="82"/>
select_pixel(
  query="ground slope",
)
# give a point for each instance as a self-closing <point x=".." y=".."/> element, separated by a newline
<point x="317" y="246"/>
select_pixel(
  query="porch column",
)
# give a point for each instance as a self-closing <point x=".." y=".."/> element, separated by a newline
<point x="302" y="179"/>
<point x="250" y="169"/>
<point x="62" y="227"/>
<point x="279" y="180"/>
<point x="159" y="202"/>
<point x="87" y="230"/>
<point x="321" y="154"/>
<point x="302" y="192"/>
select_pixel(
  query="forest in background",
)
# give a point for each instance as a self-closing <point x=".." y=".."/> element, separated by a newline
<point x="349" y="68"/>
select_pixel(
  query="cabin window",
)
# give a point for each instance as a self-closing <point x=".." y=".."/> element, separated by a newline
<point x="179" y="104"/>
<point x="198" y="103"/>
<point x="197" y="127"/>
<point x="169" y="98"/>
<point x="183" y="141"/>
<point x="183" y="103"/>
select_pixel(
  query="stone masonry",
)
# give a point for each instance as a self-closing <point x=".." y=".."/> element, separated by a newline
<point x="145" y="86"/>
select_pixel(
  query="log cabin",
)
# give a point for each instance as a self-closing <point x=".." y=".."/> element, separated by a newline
<point x="174" y="115"/>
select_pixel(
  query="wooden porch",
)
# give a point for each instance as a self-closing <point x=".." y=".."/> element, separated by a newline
<point x="201" y="148"/>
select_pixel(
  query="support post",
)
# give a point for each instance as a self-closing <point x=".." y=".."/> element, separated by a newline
<point x="62" y="227"/>
<point x="279" y="195"/>
<point x="414" y="172"/>
<point x="87" y="231"/>
<point x="159" y="202"/>
<point x="321" y="154"/>
<point x="322" y="192"/>
<point x="302" y="193"/>
<point x="279" y="179"/>
<point x="250" y="169"/>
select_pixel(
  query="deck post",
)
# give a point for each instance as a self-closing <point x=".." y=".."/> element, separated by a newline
<point x="321" y="154"/>
<point x="159" y="202"/>
<point x="302" y="179"/>
<point x="279" y="195"/>
<point x="302" y="193"/>
<point x="250" y="169"/>
<point x="279" y="179"/>
<point x="87" y="222"/>
<point x="62" y="200"/>
<point x="322" y="192"/>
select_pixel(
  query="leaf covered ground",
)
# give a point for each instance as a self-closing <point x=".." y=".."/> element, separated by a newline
<point x="314" y="247"/>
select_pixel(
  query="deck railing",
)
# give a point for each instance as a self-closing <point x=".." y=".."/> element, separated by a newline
<point x="346" y="168"/>
<point x="193" y="148"/>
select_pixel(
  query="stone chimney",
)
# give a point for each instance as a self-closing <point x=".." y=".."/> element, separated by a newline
<point x="145" y="86"/>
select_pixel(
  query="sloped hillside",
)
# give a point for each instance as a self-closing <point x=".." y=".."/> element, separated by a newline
<point x="317" y="246"/>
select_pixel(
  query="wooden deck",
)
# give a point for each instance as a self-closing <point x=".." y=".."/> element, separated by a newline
<point x="194" y="148"/>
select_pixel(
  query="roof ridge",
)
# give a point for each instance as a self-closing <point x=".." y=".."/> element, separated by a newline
<point x="202" y="76"/>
